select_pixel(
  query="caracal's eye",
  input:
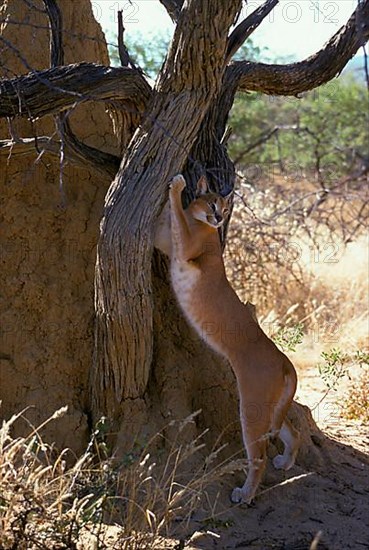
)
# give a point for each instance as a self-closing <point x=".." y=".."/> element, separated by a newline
<point x="213" y="207"/>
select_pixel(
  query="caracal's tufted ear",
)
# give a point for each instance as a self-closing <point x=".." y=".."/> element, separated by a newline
<point x="202" y="186"/>
<point x="228" y="197"/>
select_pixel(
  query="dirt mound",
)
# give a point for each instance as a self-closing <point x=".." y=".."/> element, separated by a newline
<point x="49" y="230"/>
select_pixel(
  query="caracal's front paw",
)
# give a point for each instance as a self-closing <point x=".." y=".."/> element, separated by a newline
<point x="240" y="496"/>
<point x="178" y="183"/>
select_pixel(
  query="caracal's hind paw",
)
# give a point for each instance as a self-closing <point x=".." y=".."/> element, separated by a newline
<point x="238" y="496"/>
<point x="283" y="462"/>
<point x="178" y="183"/>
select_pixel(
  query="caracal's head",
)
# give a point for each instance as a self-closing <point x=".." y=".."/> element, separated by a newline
<point x="210" y="208"/>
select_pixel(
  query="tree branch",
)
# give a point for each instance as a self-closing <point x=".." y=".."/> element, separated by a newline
<point x="46" y="92"/>
<point x="173" y="8"/>
<point x="265" y="136"/>
<point x="295" y="78"/>
<point x="106" y="164"/>
<point x="80" y="152"/>
<point x="56" y="35"/>
<point x="125" y="58"/>
<point x="25" y="146"/>
<point x="89" y="157"/>
<point x="127" y="119"/>
<point x="247" y="27"/>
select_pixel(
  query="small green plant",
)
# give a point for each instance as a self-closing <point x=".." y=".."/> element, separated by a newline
<point x="334" y="367"/>
<point x="355" y="405"/>
<point x="288" y="338"/>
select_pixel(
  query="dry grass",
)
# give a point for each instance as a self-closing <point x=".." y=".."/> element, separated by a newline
<point x="45" y="505"/>
<point x="293" y="279"/>
<point x="355" y="405"/>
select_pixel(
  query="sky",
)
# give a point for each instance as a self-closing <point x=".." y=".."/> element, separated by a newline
<point x="294" y="30"/>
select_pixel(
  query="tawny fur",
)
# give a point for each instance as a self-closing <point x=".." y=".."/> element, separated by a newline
<point x="266" y="378"/>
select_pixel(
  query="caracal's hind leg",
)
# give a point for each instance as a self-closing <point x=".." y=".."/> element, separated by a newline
<point x="255" y="436"/>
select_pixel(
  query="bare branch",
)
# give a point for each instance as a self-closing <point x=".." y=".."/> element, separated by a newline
<point x="85" y="155"/>
<point x="125" y="59"/>
<point x="56" y="40"/>
<point x="295" y="78"/>
<point x="122" y="50"/>
<point x="106" y="164"/>
<point x="50" y="91"/>
<point x="29" y="145"/>
<point x="247" y="27"/>
<point x="265" y="136"/>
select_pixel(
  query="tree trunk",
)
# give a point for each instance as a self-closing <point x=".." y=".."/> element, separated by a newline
<point x="159" y="150"/>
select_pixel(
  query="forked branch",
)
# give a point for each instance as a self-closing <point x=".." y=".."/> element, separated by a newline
<point x="247" y="27"/>
<point x="295" y="78"/>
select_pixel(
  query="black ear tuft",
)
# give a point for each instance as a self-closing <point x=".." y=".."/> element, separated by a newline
<point x="228" y="196"/>
<point x="202" y="186"/>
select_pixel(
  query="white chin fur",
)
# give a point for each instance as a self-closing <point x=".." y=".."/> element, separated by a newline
<point x="216" y="224"/>
<point x="202" y="217"/>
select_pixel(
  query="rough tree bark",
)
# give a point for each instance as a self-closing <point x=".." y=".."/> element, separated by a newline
<point x="124" y="295"/>
<point x="148" y="365"/>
